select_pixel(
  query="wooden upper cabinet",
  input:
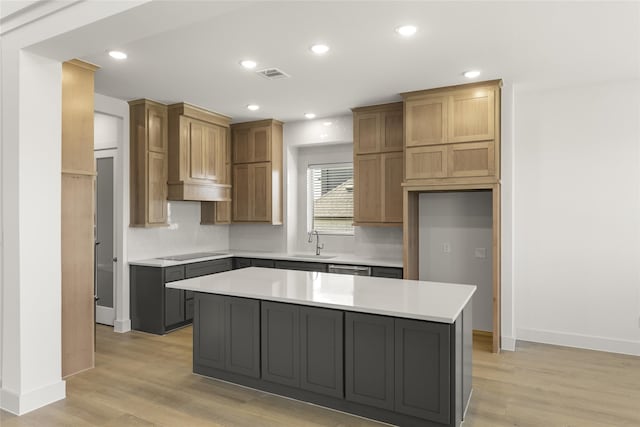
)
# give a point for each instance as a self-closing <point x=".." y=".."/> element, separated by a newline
<point x="426" y="121"/>
<point x="257" y="172"/>
<point x="220" y="212"/>
<point x="391" y="131"/>
<point x="378" y="164"/>
<point x="241" y="150"/>
<point x="197" y="154"/>
<point x="157" y="128"/>
<point x="260" y="142"/>
<point x="366" y="133"/>
<point x="392" y="176"/>
<point x="377" y="128"/>
<point x="453" y="133"/>
<point x="148" y="163"/>
<point x="471" y="115"/>
<point x="367" y="203"/>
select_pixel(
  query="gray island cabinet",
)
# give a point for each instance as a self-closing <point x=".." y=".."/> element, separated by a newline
<point x="397" y="351"/>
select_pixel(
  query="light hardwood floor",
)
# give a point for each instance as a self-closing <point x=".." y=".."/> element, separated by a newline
<point x="143" y="380"/>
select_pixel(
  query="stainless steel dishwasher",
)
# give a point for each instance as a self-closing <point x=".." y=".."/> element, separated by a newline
<point x="354" y="270"/>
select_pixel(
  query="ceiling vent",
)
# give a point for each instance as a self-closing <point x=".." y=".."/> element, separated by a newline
<point x="273" y="74"/>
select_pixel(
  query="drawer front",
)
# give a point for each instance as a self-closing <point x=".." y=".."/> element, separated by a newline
<point x="390" y="272"/>
<point x="304" y="266"/>
<point x="241" y="263"/>
<point x="188" y="294"/>
<point x="266" y="263"/>
<point x="207" y="267"/>
<point x="171" y="274"/>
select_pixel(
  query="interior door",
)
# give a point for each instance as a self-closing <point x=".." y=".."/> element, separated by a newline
<point x="105" y="237"/>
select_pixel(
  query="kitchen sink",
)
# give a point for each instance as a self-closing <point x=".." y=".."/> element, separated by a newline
<point x="312" y="256"/>
<point x="196" y="255"/>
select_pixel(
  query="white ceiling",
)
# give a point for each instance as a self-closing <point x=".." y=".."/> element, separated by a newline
<point x="189" y="51"/>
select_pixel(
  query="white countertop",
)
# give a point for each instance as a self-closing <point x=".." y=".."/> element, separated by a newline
<point x="413" y="299"/>
<point x="310" y="257"/>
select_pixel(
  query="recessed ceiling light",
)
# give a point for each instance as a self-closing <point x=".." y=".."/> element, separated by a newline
<point x="327" y="123"/>
<point x="310" y="115"/>
<point x="253" y="107"/>
<point x="116" y="54"/>
<point x="248" y="64"/>
<point x="319" y="49"/>
<point x="406" y="30"/>
<point x="471" y="74"/>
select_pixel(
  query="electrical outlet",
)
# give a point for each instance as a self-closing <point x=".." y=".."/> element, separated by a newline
<point x="446" y="247"/>
<point x="480" y="253"/>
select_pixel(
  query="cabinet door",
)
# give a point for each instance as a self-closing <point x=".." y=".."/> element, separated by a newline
<point x="157" y="188"/>
<point x="173" y="306"/>
<point x="260" y="192"/>
<point x="471" y="159"/>
<point x="280" y="343"/>
<point x="321" y="352"/>
<point x="392" y="176"/>
<point x="198" y="134"/>
<point x="471" y="115"/>
<point x="260" y="143"/>
<point x="242" y="336"/>
<point x="157" y="129"/>
<point x="391" y="131"/>
<point x="423" y="369"/>
<point x="366" y="133"/>
<point x="214" y="154"/>
<point x="240" y="198"/>
<point x="240" y="143"/>
<point x="426" y="121"/>
<point x="426" y="162"/>
<point x="367" y="188"/>
<point x="209" y="331"/>
<point x="369" y="360"/>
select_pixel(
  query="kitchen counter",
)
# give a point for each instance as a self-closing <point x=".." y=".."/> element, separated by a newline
<point x="327" y="258"/>
<point x="412" y="299"/>
<point x="398" y="351"/>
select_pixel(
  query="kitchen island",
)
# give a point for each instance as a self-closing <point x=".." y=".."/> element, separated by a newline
<point x="393" y="350"/>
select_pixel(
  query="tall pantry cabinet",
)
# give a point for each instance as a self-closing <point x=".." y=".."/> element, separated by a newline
<point x="77" y="226"/>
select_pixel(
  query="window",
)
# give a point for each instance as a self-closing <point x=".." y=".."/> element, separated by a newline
<point x="331" y="198"/>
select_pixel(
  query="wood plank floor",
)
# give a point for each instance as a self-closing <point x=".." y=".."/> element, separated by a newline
<point x="145" y="380"/>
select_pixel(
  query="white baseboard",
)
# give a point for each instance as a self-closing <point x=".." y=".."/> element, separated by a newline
<point x="588" y="342"/>
<point x="508" y="343"/>
<point x="122" y="326"/>
<point x="21" y="404"/>
<point x="105" y="315"/>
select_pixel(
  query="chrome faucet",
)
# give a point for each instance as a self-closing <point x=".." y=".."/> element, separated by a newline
<point x="318" y="245"/>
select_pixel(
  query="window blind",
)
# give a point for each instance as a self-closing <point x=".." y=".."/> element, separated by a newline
<point x="331" y="190"/>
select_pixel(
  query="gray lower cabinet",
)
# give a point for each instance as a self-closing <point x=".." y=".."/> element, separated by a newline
<point x="281" y="343"/>
<point x="227" y="334"/>
<point x="369" y="359"/>
<point x="402" y="371"/>
<point x="158" y="309"/>
<point x="302" y="265"/>
<point x="252" y="262"/>
<point x="423" y="369"/>
<point x="321" y="355"/>
<point x="389" y="272"/>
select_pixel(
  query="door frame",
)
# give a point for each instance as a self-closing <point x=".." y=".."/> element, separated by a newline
<point x="106" y="315"/>
<point x="410" y="245"/>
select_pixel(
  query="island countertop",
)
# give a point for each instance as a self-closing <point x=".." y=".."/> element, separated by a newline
<point x="412" y="299"/>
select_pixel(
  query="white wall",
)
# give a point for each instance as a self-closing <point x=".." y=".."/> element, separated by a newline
<point x="463" y="221"/>
<point x="576" y="216"/>
<point x="183" y="235"/>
